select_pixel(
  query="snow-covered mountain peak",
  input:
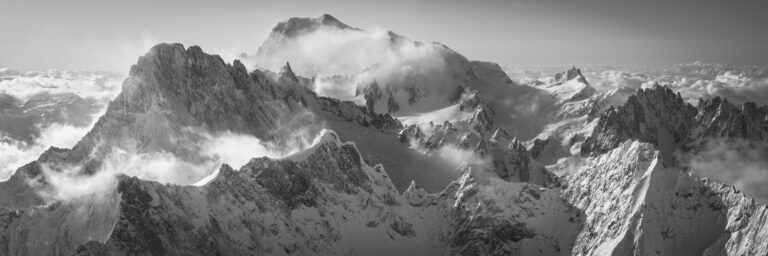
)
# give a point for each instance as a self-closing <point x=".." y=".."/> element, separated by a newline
<point x="410" y="76"/>
<point x="326" y="138"/>
<point x="297" y="26"/>
<point x="567" y="86"/>
<point x="570" y="74"/>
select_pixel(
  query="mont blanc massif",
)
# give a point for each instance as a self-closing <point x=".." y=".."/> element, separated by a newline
<point x="334" y="140"/>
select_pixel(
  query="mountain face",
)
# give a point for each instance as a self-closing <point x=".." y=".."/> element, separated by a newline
<point x="497" y="168"/>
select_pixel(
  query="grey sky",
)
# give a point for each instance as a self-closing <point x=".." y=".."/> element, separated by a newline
<point x="110" y="35"/>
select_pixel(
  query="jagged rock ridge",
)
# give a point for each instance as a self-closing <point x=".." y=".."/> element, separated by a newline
<point x="647" y="116"/>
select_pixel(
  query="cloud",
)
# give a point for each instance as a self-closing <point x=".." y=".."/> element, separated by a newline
<point x="63" y="136"/>
<point x="613" y="79"/>
<point x="100" y="86"/>
<point x="736" y="87"/>
<point x="61" y="183"/>
<point x="740" y="163"/>
<point x="67" y="182"/>
<point x="343" y="60"/>
<point x="236" y="149"/>
<point x="62" y="131"/>
<point x="448" y="157"/>
<point x="14" y="153"/>
<point x="333" y="51"/>
<point x="459" y="157"/>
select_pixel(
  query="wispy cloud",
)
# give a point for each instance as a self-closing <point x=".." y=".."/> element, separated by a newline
<point x="361" y="57"/>
<point x="737" y="162"/>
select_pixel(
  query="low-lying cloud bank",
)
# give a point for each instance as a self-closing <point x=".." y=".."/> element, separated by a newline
<point x="102" y="86"/>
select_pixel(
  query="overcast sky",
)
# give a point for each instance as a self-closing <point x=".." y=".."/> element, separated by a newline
<point x="110" y="35"/>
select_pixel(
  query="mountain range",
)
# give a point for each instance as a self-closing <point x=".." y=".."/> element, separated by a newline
<point x="421" y="153"/>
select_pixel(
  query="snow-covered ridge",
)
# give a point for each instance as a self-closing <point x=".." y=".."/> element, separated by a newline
<point x="569" y="85"/>
<point x="328" y="201"/>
